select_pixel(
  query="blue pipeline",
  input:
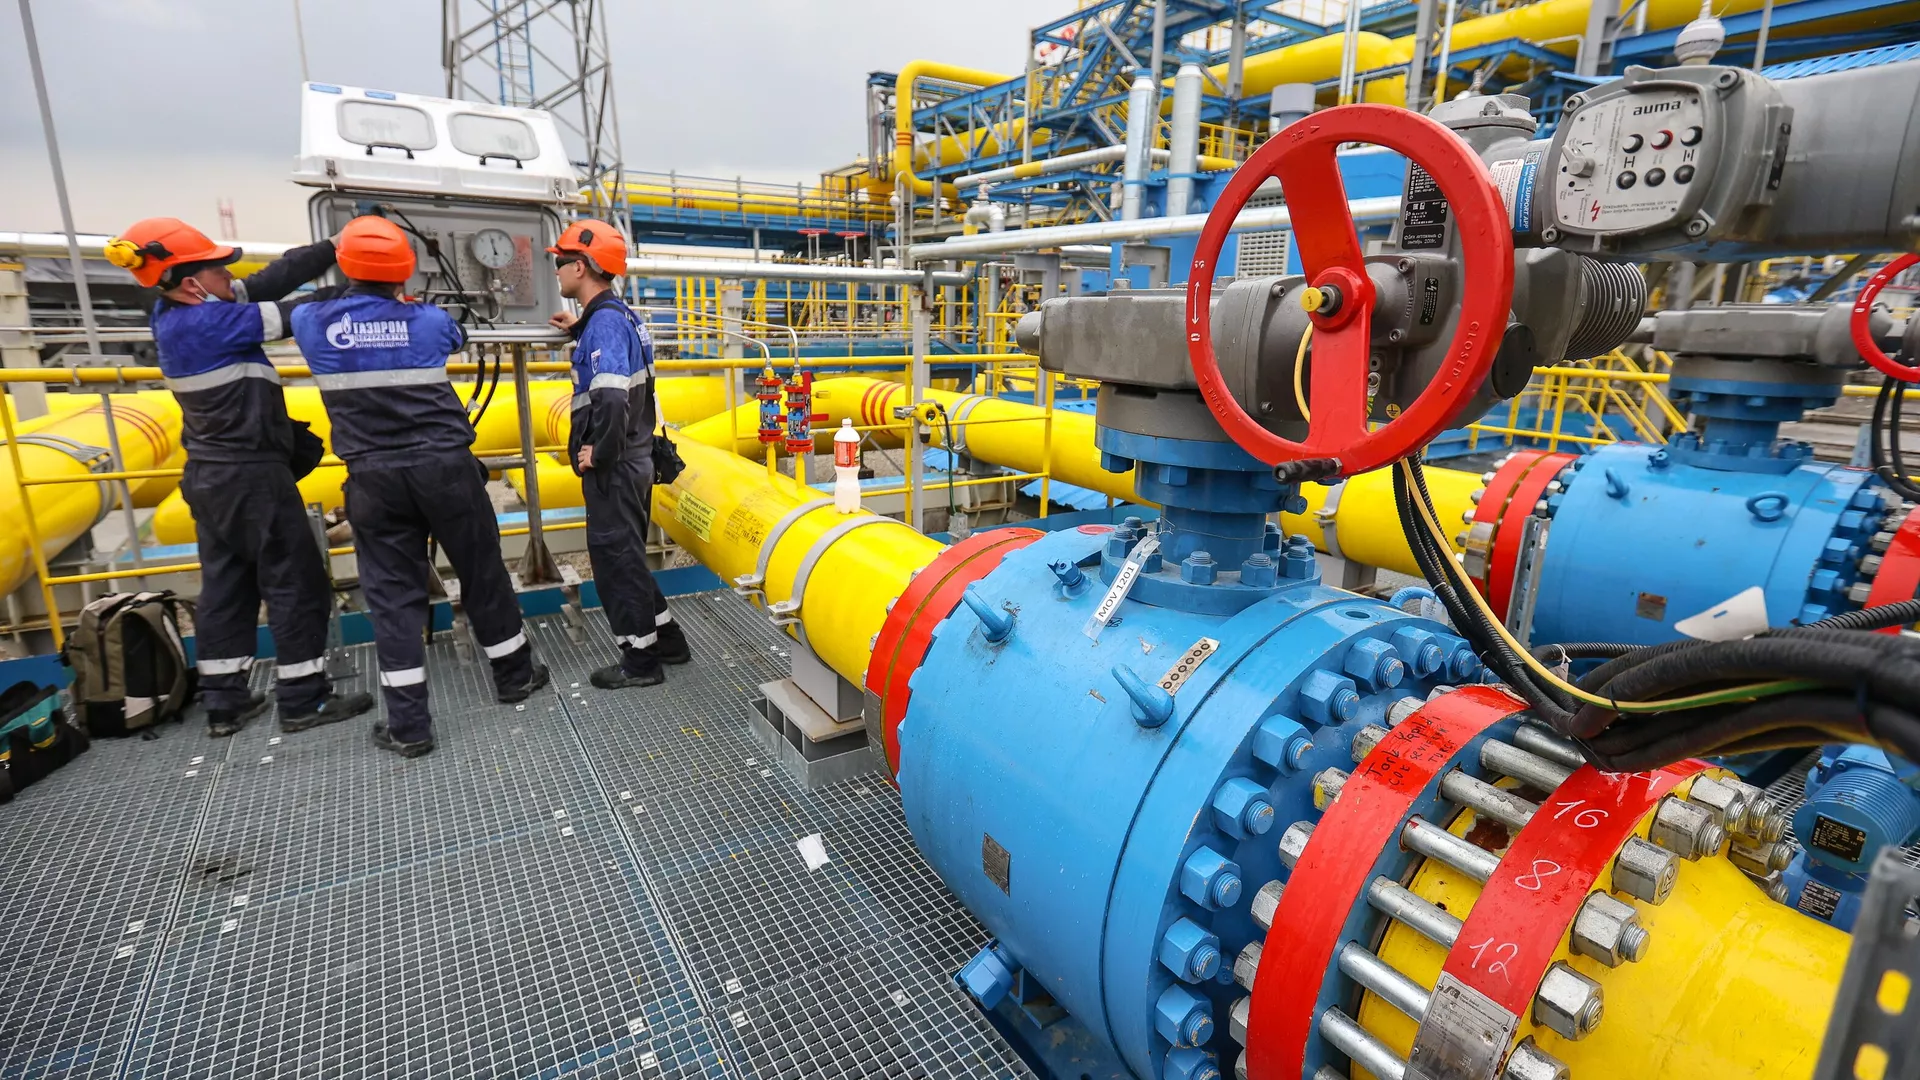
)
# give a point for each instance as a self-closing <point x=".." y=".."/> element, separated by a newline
<point x="1639" y="541"/>
<point x="1087" y="816"/>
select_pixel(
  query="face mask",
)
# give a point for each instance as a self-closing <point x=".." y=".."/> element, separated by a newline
<point x="206" y="295"/>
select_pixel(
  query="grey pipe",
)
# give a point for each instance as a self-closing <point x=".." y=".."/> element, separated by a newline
<point x="1185" y="138"/>
<point x="1056" y="164"/>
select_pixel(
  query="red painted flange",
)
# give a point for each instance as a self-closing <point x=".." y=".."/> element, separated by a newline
<point x="1302" y="157"/>
<point x="1899" y="576"/>
<point x="1508" y="502"/>
<point x="1525" y="909"/>
<point x="908" y="632"/>
<point x="1332" y="873"/>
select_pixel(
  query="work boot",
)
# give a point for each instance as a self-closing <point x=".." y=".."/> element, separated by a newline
<point x="637" y="667"/>
<point x="385" y="740"/>
<point x="224" y="722"/>
<point x="331" y="710"/>
<point x="513" y="695"/>
<point x="671" y="644"/>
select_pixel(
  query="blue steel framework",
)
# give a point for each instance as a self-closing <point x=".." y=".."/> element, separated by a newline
<point x="1107" y="42"/>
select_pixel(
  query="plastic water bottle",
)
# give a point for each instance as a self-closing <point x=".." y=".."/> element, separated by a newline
<point x="846" y="468"/>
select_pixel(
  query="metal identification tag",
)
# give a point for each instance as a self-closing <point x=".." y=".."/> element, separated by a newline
<point x="1122" y="582"/>
<point x="1176" y="676"/>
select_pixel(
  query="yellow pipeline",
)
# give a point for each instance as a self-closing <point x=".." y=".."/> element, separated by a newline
<point x="149" y="430"/>
<point x="1733" y="986"/>
<point x="1367" y="525"/>
<point x="722" y="508"/>
<point x="497" y="433"/>
<point x="817" y="201"/>
<point x="1007" y="433"/>
<point x="989" y="140"/>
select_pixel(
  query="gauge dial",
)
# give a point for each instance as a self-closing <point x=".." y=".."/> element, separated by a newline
<point x="493" y="248"/>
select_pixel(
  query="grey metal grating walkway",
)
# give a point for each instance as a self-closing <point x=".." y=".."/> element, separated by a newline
<point x="587" y="885"/>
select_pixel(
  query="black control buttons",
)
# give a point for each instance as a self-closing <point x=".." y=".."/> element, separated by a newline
<point x="1683" y="174"/>
<point x="1692" y="137"/>
<point x="1656" y="177"/>
<point x="1625" y="180"/>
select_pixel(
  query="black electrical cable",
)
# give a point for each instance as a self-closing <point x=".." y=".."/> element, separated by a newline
<point x="1888" y="457"/>
<point x="1581" y="650"/>
<point x="1899" y="613"/>
<point x="476" y="407"/>
<point x="1859" y="683"/>
<point x="952" y="458"/>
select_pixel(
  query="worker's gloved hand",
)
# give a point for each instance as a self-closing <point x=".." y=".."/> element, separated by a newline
<point x="563" y="320"/>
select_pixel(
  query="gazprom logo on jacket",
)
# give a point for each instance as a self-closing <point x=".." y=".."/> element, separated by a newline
<point x="376" y="334"/>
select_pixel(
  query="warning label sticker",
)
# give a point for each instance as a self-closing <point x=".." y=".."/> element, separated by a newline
<point x="695" y="515"/>
<point x="1423" y="216"/>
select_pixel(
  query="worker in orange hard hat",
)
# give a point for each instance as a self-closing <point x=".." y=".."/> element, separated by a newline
<point x="613" y="447"/>
<point x="381" y="363"/>
<point x="243" y="456"/>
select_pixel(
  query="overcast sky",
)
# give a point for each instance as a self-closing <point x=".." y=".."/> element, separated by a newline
<point x="166" y="106"/>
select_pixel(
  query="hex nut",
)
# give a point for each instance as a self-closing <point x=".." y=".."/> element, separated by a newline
<point x="1727" y="804"/>
<point x="1266" y="903"/>
<point x="1529" y="1062"/>
<point x="1191" y="952"/>
<point x="1242" y="809"/>
<point x="1246" y="965"/>
<point x="1398" y="712"/>
<point x="1759" y="859"/>
<point x="1686" y="830"/>
<point x="1240" y="1067"/>
<point x="1567" y="1003"/>
<point x="1608" y="931"/>
<point x="1237" y="1020"/>
<point x="1182" y="1017"/>
<point x="1327" y="784"/>
<point x="1293" y="842"/>
<point x="1365" y="740"/>
<point x="1644" y="871"/>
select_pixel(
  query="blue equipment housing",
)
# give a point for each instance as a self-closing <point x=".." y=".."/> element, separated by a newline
<point x="1105" y="796"/>
<point x="1640" y="539"/>
<point x="1859" y="802"/>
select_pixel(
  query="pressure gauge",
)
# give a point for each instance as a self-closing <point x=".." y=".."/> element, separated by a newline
<point x="493" y="248"/>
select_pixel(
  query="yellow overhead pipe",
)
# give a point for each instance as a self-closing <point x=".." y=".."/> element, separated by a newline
<point x="722" y="507"/>
<point x="149" y="430"/>
<point x="989" y="140"/>
<point x="1733" y="985"/>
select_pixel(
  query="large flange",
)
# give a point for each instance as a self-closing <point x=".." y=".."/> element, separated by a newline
<point x="1499" y="520"/>
<point x="929" y="597"/>
<point x="1899" y="576"/>
<point x="1485" y="993"/>
<point x="1333" y="872"/>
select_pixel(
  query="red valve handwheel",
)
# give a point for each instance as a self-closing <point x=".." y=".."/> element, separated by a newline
<point x="1302" y="157"/>
<point x="1863" y="330"/>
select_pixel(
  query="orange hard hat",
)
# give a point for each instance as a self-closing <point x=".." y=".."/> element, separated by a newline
<point x="374" y="249"/>
<point x="156" y="247"/>
<point x="597" y="241"/>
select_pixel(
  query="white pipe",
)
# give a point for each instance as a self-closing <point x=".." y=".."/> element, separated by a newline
<point x="1364" y="212"/>
<point x="1142" y="117"/>
<point x="771" y="271"/>
<point x="1045" y="166"/>
<point x="93" y="245"/>
<point x="1446" y="55"/>
<point x="54" y="245"/>
<point x="1185" y="137"/>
